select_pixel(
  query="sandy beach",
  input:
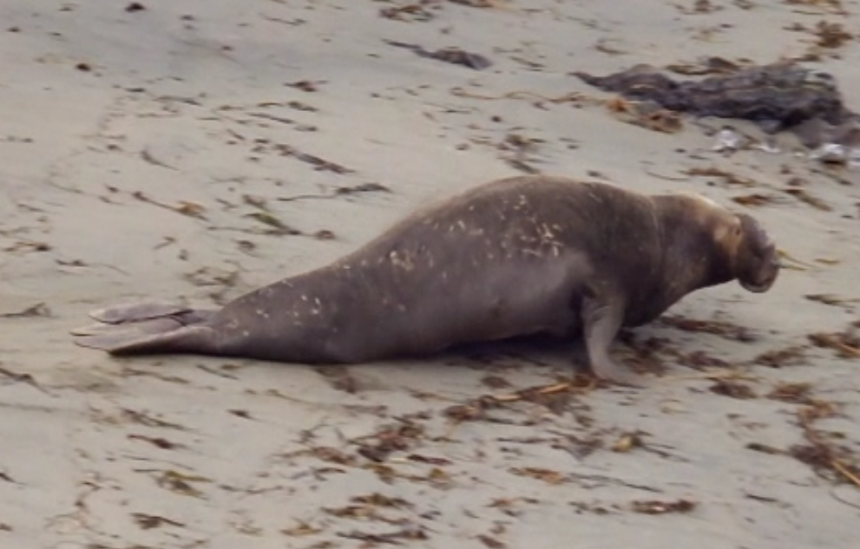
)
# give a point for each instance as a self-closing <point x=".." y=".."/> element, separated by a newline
<point x="193" y="151"/>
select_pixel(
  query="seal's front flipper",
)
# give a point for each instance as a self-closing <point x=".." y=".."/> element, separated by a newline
<point x="187" y="339"/>
<point x="602" y="319"/>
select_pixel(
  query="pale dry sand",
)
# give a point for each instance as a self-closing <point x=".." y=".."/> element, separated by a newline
<point x="196" y="111"/>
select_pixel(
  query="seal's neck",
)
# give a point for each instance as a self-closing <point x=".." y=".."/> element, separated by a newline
<point x="692" y="250"/>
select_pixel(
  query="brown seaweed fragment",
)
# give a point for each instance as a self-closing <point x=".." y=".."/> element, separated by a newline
<point x="728" y="177"/>
<point x="179" y="483"/>
<point x="831" y="299"/>
<point x="725" y="330"/>
<point x="831" y="35"/>
<point x="391" y="538"/>
<point x="320" y="164"/>
<point x="846" y="344"/>
<point x="754" y="199"/>
<point x="418" y="11"/>
<point x="807" y="198"/>
<point x="778" y="358"/>
<point x="190" y="209"/>
<point x="148" y="522"/>
<point x="826" y="458"/>
<point x="791" y="392"/>
<point x="452" y="55"/>
<point x="159" y="442"/>
<point x="37" y="310"/>
<point x="553" y="397"/>
<point x="646" y="114"/>
<point x="22" y="378"/>
<point x="301" y="528"/>
<point x="834" y="5"/>
<point x="656" y="507"/>
<point x="478" y="3"/>
<point x="733" y="389"/>
<point x="390" y="439"/>
<point x="490" y="542"/>
<point x="539" y="473"/>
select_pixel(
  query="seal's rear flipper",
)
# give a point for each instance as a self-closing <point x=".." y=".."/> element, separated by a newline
<point x="148" y="318"/>
<point x="149" y="326"/>
<point x="187" y="339"/>
<point x="134" y="312"/>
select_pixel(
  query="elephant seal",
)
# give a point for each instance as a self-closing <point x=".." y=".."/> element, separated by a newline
<point x="512" y="257"/>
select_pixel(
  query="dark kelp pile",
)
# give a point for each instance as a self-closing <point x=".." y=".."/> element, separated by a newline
<point x="781" y="96"/>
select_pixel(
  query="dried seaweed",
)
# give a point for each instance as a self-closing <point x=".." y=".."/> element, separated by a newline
<point x="37" y="310"/>
<point x="390" y="439"/>
<point x="451" y="55"/>
<point x="725" y="330"/>
<point x="148" y="522"/>
<point x="846" y="344"/>
<point x="656" y="507"/>
<point x="645" y="114"/>
<point x="779" y="358"/>
<point x="796" y="393"/>
<point x="733" y="389"/>
<point x="544" y="395"/>
<point x="548" y="476"/>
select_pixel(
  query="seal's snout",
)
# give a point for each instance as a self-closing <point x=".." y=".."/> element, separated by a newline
<point x="758" y="262"/>
<point x="761" y="277"/>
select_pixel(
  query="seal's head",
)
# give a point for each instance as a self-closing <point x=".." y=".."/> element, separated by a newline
<point x="735" y="244"/>
<point x="756" y="260"/>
